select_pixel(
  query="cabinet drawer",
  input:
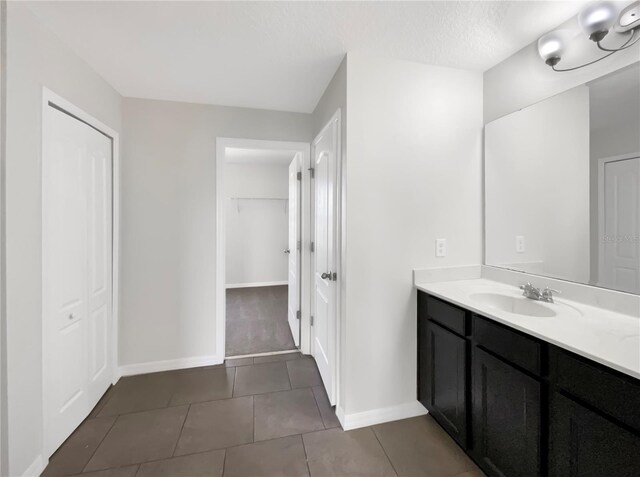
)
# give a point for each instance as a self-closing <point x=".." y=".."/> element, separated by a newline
<point x="613" y="394"/>
<point x="511" y="345"/>
<point x="447" y="315"/>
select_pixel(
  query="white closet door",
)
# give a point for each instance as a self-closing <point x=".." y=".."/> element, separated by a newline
<point x="76" y="272"/>
<point x="100" y="263"/>
<point x="294" y="250"/>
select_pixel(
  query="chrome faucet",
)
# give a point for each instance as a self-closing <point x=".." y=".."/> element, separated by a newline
<point x="530" y="291"/>
<point x="533" y="293"/>
<point x="547" y="295"/>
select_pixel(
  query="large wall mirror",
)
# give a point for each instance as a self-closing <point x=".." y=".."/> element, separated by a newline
<point x="562" y="185"/>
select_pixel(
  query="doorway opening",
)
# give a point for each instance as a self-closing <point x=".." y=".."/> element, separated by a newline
<point x="262" y="225"/>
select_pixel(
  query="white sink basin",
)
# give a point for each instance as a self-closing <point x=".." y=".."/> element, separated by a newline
<point x="513" y="304"/>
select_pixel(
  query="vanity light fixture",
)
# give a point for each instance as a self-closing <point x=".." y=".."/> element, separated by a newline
<point x="596" y="21"/>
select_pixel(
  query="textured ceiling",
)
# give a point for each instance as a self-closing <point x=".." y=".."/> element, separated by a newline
<point x="282" y="55"/>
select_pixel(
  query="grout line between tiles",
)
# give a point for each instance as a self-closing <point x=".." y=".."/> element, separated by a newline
<point x="253" y="416"/>
<point x="318" y="406"/>
<point x="224" y="461"/>
<point x="235" y="375"/>
<point x="101" y="441"/>
<point x="175" y="446"/>
<point x="306" y="457"/>
<point x="383" y="450"/>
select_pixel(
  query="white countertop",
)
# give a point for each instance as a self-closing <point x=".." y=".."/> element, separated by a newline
<point x="607" y="337"/>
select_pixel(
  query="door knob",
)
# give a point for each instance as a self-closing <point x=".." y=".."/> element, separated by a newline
<point x="286" y="250"/>
<point x="326" y="276"/>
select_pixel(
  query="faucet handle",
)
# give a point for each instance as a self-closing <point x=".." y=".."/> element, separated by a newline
<point x="547" y="294"/>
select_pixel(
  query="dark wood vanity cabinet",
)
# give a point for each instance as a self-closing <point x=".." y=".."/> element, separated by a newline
<point x="522" y="407"/>
<point x="443" y="381"/>
<point x="506" y="417"/>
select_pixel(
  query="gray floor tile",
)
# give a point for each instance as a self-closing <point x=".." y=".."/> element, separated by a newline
<point x="216" y="425"/>
<point x="420" y="447"/>
<point x="274" y="358"/>
<point x="261" y="378"/>
<point x="337" y="453"/>
<point x="101" y="403"/>
<point x="232" y="362"/>
<point x="199" y="385"/>
<point x="207" y="464"/>
<point x="129" y="471"/>
<point x="327" y="413"/>
<point x="283" y="457"/>
<point x="140" y="437"/>
<point x="140" y="393"/>
<point x="286" y="413"/>
<point x="303" y="373"/>
<point x="256" y="320"/>
<point x="76" y="451"/>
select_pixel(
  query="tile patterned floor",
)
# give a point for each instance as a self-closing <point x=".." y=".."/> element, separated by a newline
<point x="257" y="320"/>
<point x="266" y="416"/>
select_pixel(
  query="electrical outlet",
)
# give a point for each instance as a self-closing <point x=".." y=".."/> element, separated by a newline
<point x="441" y="247"/>
<point x="519" y="243"/>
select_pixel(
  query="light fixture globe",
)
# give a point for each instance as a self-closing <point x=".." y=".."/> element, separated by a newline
<point x="552" y="46"/>
<point x="597" y="19"/>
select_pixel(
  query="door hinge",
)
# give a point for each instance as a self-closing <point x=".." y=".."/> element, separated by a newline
<point x="312" y="171"/>
<point x="298" y="314"/>
<point x="313" y="246"/>
<point x="299" y="176"/>
<point x="299" y="245"/>
<point x="311" y="320"/>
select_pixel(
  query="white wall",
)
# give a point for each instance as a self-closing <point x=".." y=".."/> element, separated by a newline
<point x="3" y="316"/>
<point x="334" y="98"/>
<point x="414" y="174"/>
<point x="35" y="58"/>
<point x="167" y="300"/>
<point x="537" y="186"/>
<point x="524" y="79"/>
<point x="257" y="230"/>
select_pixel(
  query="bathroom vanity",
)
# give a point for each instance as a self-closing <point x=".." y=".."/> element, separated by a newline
<point x="529" y="388"/>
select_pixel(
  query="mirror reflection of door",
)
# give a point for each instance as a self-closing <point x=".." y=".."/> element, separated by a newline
<point x="620" y="225"/>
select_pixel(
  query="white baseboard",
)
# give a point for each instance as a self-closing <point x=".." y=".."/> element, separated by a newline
<point x="36" y="468"/>
<point x="378" y="416"/>
<point x="168" y="365"/>
<point x="256" y="284"/>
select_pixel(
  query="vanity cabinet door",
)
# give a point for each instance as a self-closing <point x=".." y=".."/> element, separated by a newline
<point x="443" y="383"/>
<point x="506" y="418"/>
<point x="583" y="443"/>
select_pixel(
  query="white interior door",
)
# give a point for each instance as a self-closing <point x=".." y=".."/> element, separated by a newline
<point x="77" y="271"/>
<point x="620" y="264"/>
<point x="323" y="330"/>
<point x="294" y="248"/>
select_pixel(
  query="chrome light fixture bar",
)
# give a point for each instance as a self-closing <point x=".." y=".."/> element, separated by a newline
<point x="596" y="21"/>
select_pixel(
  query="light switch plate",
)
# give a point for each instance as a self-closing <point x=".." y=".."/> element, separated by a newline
<point x="519" y="243"/>
<point x="441" y="247"/>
